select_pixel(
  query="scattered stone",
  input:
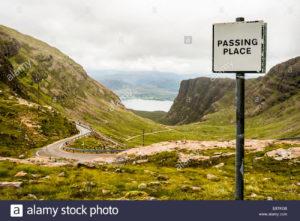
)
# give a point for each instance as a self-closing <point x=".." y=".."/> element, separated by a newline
<point x="21" y="174"/>
<point x="284" y="154"/>
<point x="187" y="188"/>
<point x="258" y="158"/>
<point x="46" y="177"/>
<point x="35" y="175"/>
<point x="266" y="178"/>
<point x="142" y="186"/>
<point x="212" y="177"/>
<point x="105" y="192"/>
<point x="32" y="196"/>
<point x="141" y="161"/>
<point x="118" y="170"/>
<point x="152" y="198"/>
<point x="154" y="183"/>
<point x="11" y="184"/>
<point x="196" y="188"/>
<point x="162" y="177"/>
<point x="253" y="195"/>
<point x="269" y="198"/>
<point x="62" y="174"/>
<point x="298" y="183"/>
<point x="149" y="172"/>
<point x="22" y="156"/>
<point x="219" y="165"/>
<point x="136" y="195"/>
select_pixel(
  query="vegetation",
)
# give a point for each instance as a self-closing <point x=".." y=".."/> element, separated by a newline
<point x="159" y="178"/>
<point x="156" y="116"/>
<point x="25" y="126"/>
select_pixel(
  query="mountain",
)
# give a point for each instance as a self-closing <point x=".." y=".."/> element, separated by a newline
<point x="272" y="102"/>
<point x="43" y="90"/>
<point x="153" y="85"/>
<point x="196" y="98"/>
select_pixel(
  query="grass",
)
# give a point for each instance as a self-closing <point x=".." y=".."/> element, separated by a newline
<point x="264" y="177"/>
<point x="23" y="128"/>
<point x="91" y="142"/>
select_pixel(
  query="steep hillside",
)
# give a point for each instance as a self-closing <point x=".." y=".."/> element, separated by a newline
<point x="272" y="104"/>
<point x="24" y="125"/>
<point x="43" y="77"/>
<point x="195" y="99"/>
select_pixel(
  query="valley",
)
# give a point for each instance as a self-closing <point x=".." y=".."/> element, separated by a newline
<point x="185" y="153"/>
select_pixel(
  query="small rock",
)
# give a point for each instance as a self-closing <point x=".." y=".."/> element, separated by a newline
<point x="142" y="186"/>
<point x="105" y="192"/>
<point x="11" y="184"/>
<point x="212" y="177"/>
<point x="266" y="179"/>
<point x="152" y="198"/>
<point x="253" y="195"/>
<point x="141" y="161"/>
<point x="46" y="177"/>
<point x="269" y="198"/>
<point x="196" y="188"/>
<point x="118" y="170"/>
<point x="62" y="174"/>
<point x="185" y="188"/>
<point x="32" y="196"/>
<point x="22" y="156"/>
<point x="162" y="177"/>
<point x="21" y="174"/>
<point x="154" y="183"/>
<point x="149" y="172"/>
<point x="35" y="175"/>
<point x="136" y="195"/>
<point x="219" y="165"/>
<point x="258" y="158"/>
<point x="298" y="184"/>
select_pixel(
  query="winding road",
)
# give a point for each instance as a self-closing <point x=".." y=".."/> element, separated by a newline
<point x="55" y="149"/>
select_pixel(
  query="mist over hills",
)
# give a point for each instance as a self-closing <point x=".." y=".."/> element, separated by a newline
<point x="148" y="85"/>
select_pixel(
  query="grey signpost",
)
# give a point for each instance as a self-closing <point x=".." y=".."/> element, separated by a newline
<point x="239" y="48"/>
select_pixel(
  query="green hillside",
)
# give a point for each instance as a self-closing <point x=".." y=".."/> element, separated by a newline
<point x="46" y="78"/>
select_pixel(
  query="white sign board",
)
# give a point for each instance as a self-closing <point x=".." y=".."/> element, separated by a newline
<point x="239" y="47"/>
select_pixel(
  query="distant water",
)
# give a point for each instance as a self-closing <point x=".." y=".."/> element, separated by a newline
<point x="147" y="105"/>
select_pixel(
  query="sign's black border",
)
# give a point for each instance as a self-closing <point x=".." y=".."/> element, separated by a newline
<point x="263" y="57"/>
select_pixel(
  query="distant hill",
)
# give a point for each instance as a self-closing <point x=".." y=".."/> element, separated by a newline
<point x="196" y="98"/>
<point x="151" y="85"/>
<point x="272" y="102"/>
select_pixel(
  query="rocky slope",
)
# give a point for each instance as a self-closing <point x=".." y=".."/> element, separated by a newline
<point x="196" y="98"/>
<point x="199" y="98"/>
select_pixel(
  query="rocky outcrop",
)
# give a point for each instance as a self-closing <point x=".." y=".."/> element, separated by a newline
<point x="200" y="96"/>
<point x="196" y="98"/>
<point x="278" y="85"/>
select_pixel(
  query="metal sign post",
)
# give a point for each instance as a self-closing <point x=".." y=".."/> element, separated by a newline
<point x="240" y="48"/>
<point x="240" y="128"/>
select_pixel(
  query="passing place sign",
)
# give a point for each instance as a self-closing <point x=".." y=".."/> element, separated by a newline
<point x="239" y="47"/>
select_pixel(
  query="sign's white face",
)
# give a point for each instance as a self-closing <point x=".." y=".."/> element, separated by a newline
<point x="239" y="47"/>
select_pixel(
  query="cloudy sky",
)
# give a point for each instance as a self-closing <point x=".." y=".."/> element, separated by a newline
<point x="149" y="34"/>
